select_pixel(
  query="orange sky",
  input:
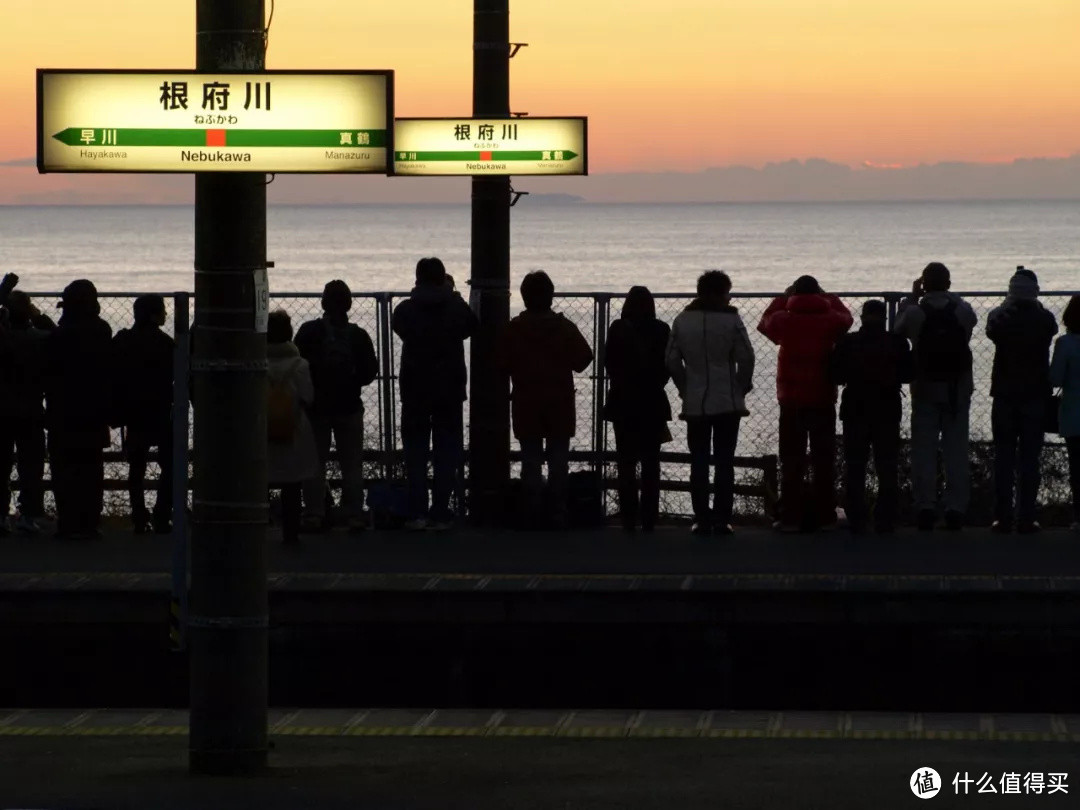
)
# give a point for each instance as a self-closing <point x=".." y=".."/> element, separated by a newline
<point x="678" y="84"/>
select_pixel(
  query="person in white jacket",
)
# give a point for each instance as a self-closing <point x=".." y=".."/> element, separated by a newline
<point x="292" y="457"/>
<point x="712" y="363"/>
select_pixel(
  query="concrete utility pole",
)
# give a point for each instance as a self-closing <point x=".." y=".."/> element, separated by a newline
<point x="489" y="409"/>
<point x="228" y="620"/>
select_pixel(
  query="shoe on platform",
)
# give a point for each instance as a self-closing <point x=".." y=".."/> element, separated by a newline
<point x="416" y="525"/>
<point x="954" y="521"/>
<point x="1001" y="527"/>
<point x="786" y="527"/>
<point x="724" y="530"/>
<point x="1028" y="527"/>
<point x="700" y="527"/>
<point x="925" y="521"/>
<point x="441" y="525"/>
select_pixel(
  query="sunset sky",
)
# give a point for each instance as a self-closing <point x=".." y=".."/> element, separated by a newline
<point x="678" y="85"/>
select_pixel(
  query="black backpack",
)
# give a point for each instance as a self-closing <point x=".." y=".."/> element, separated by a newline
<point x="942" y="353"/>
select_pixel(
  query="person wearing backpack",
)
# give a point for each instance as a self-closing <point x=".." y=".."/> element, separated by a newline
<point x="806" y="322"/>
<point x="872" y="364"/>
<point x="939" y="325"/>
<point x="292" y="458"/>
<point x="1022" y="330"/>
<point x="433" y="324"/>
<point x="342" y="361"/>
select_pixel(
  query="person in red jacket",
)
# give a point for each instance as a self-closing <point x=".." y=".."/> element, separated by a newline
<point x="806" y="323"/>
<point x="541" y="350"/>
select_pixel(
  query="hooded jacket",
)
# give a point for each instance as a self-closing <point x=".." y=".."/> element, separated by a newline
<point x="711" y="360"/>
<point x="541" y="351"/>
<point x="806" y="327"/>
<point x="1022" y="330"/>
<point x="433" y="324"/>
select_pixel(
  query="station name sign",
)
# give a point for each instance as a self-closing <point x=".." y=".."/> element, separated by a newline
<point x="325" y="122"/>
<point x="481" y="147"/>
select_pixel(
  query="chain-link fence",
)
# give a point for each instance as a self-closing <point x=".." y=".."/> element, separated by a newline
<point x="593" y="444"/>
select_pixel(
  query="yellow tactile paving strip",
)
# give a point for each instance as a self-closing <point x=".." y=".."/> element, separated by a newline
<point x="718" y="725"/>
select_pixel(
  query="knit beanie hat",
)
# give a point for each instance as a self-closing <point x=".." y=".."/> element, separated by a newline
<point x="1024" y="286"/>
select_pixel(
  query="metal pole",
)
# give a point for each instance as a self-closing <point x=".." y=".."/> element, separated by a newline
<point x="181" y="366"/>
<point x="386" y="386"/>
<point x="489" y="392"/>
<point x="228" y="622"/>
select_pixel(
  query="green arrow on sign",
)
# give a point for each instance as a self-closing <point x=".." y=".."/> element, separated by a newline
<point x="495" y="154"/>
<point x="319" y="138"/>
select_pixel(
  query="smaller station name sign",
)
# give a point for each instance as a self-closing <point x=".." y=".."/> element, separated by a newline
<point x="501" y="146"/>
<point x="183" y="121"/>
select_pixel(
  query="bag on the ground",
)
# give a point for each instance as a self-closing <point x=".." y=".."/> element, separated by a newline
<point x="389" y="503"/>
<point x="942" y="353"/>
<point x="585" y="503"/>
<point x="281" y="411"/>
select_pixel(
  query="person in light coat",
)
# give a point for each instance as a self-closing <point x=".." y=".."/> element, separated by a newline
<point x="712" y="363"/>
<point x="1065" y="374"/>
<point x="292" y="462"/>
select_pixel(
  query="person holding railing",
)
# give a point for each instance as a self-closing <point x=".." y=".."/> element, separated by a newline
<point x="23" y="341"/>
<point x="142" y="406"/>
<point x="806" y="322"/>
<point x="1022" y="330"/>
<point x="637" y="404"/>
<point x="433" y="324"/>
<point x="77" y="405"/>
<point x="541" y="350"/>
<point x="711" y="361"/>
<point x="873" y="365"/>
<point x="342" y="361"/>
<point x="939" y="325"/>
<point x="1065" y="374"/>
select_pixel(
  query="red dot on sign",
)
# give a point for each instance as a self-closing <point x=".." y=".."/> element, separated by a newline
<point x="485" y="155"/>
<point x="215" y="137"/>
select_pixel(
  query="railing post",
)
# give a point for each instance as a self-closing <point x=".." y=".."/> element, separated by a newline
<point x="386" y="385"/>
<point x="891" y="301"/>
<point x="178" y="615"/>
<point x="600" y="313"/>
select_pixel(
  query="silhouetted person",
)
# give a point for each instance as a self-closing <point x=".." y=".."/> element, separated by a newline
<point x="712" y="362"/>
<point x="1022" y="330"/>
<point x="433" y="324"/>
<point x="22" y="415"/>
<point x="806" y="323"/>
<point x="1065" y="374"/>
<point x="637" y="404"/>
<point x="872" y="364"/>
<point x="292" y="458"/>
<point x="78" y="402"/>
<point x="143" y="395"/>
<point x="342" y="360"/>
<point x="541" y="350"/>
<point x="939" y="325"/>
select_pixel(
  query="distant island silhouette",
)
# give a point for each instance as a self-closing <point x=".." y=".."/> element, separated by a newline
<point x="813" y="180"/>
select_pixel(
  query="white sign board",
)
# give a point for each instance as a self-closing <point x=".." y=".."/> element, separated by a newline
<point x="183" y="121"/>
<point x="484" y="147"/>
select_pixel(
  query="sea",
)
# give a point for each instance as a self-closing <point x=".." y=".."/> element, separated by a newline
<point x="854" y="247"/>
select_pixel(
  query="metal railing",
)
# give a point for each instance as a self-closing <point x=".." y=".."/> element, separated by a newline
<point x="591" y="448"/>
